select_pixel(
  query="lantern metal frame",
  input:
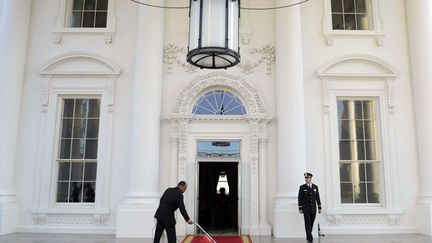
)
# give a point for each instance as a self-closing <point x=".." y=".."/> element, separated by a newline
<point x="231" y="57"/>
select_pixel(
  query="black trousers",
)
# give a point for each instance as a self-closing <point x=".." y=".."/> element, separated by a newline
<point x="309" y="218"/>
<point x="170" y="229"/>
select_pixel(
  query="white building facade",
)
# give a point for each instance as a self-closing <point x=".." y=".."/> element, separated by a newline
<point x="101" y="113"/>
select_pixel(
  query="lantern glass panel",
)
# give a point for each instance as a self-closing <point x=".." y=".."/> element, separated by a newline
<point x="213" y="23"/>
<point x="194" y="24"/>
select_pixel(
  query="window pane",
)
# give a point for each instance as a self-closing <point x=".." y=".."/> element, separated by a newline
<point x="75" y="191"/>
<point x="360" y="6"/>
<point x="350" y="22"/>
<point x="78" y="146"/>
<point x="372" y="172"/>
<point x="76" y="20"/>
<point x="336" y="6"/>
<point x="65" y="149"/>
<point x="79" y="128"/>
<point x="89" y="191"/>
<point x="346" y="193"/>
<point x="64" y="170"/>
<point x="94" y="106"/>
<point x="92" y="128"/>
<point x="345" y="173"/>
<point x="369" y="130"/>
<point x="345" y="150"/>
<point x="360" y="171"/>
<point x="359" y="132"/>
<point x="62" y="191"/>
<point x="360" y="193"/>
<point x="68" y="107"/>
<point x="362" y="22"/>
<point x="343" y="109"/>
<point x="348" y="6"/>
<point x="88" y="20"/>
<point x="344" y="129"/>
<point x="102" y="5"/>
<point x="77" y="5"/>
<point x="77" y="171"/>
<point x="90" y="5"/>
<point x="90" y="171"/>
<point x="101" y="19"/>
<point x="81" y="107"/>
<point x="358" y="109"/>
<point x="91" y="149"/>
<point x="361" y="155"/>
<point x="337" y="21"/>
<point x="373" y="193"/>
<point x="368" y="109"/>
<point x="66" y="128"/>
<point x="370" y="150"/>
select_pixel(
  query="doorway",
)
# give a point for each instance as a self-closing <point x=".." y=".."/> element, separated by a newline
<point x="218" y="196"/>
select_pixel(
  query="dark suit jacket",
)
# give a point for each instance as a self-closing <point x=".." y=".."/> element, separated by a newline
<point x="308" y="198"/>
<point x="171" y="200"/>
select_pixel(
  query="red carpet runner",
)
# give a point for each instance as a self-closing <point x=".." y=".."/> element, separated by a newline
<point x="218" y="239"/>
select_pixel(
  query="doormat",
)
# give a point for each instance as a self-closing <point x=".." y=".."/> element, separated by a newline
<point x="218" y="239"/>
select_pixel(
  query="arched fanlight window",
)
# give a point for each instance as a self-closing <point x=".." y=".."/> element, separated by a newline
<point x="219" y="102"/>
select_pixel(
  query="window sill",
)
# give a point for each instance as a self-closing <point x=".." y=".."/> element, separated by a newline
<point x="365" y="210"/>
<point x="60" y="33"/>
<point x="330" y="35"/>
<point x="74" y="209"/>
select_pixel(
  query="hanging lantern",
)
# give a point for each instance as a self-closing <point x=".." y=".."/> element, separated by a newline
<point x="214" y="33"/>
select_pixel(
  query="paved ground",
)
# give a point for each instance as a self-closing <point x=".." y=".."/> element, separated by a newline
<point x="81" y="238"/>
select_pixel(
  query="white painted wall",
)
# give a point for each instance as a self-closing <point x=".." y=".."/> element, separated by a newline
<point x="316" y="53"/>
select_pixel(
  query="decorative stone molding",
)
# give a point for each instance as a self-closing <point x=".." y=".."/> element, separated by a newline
<point x="364" y="220"/>
<point x="251" y="98"/>
<point x="61" y="219"/>
<point x="372" y="69"/>
<point x="326" y="95"/>
<point x="266" y="55"/>
<point x="390" y="96"/>
<point x="335" y="220"/>
<point x="170" y="57"/>
<point x="254" y="141"/>
<point x="70" y="64"/>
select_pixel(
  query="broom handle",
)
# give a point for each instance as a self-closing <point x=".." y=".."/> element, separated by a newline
<point x="205" y="232"/>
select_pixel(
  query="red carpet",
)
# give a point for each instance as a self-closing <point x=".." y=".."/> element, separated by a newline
<point x="218" y="239"/>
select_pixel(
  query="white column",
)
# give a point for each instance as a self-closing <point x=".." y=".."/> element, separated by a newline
<point x="135" y="215"/>
<point x="291" y="149"/>
<point x="419" y="15"/>
<point x="14" y="32"/>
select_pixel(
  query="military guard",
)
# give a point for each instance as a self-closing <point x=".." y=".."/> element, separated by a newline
<point x="308" y="199"/>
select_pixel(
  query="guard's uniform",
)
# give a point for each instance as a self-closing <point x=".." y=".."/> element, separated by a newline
<point x="308" y="198"/>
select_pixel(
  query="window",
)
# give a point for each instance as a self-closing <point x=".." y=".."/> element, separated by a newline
<point x="351" y="15"/>
<point x="358" y="158"/>
<point x="219" y="102"/>
<point x="77" y="156"/>
<point x="88" y="14"/>
<point x="222" y="185"/>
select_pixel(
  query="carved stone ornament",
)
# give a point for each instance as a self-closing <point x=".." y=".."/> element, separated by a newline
<point x="175" y="55"/>
<point x="250" y="96"/>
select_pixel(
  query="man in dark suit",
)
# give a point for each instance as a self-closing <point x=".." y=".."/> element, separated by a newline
<point x="308" y="198"/>
<point x="171" y="200"/>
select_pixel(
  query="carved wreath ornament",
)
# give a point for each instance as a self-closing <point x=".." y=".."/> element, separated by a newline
<point x="175" y="55"/>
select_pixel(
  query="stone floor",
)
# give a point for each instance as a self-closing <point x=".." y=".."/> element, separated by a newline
<point x="73" y="238"/>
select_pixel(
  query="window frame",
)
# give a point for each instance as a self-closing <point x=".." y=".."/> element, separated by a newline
<point x="62" y="27"/>
<point x="56" y="151"/>
<point x="375" y="30"/>
<point x="379" y="147"/>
